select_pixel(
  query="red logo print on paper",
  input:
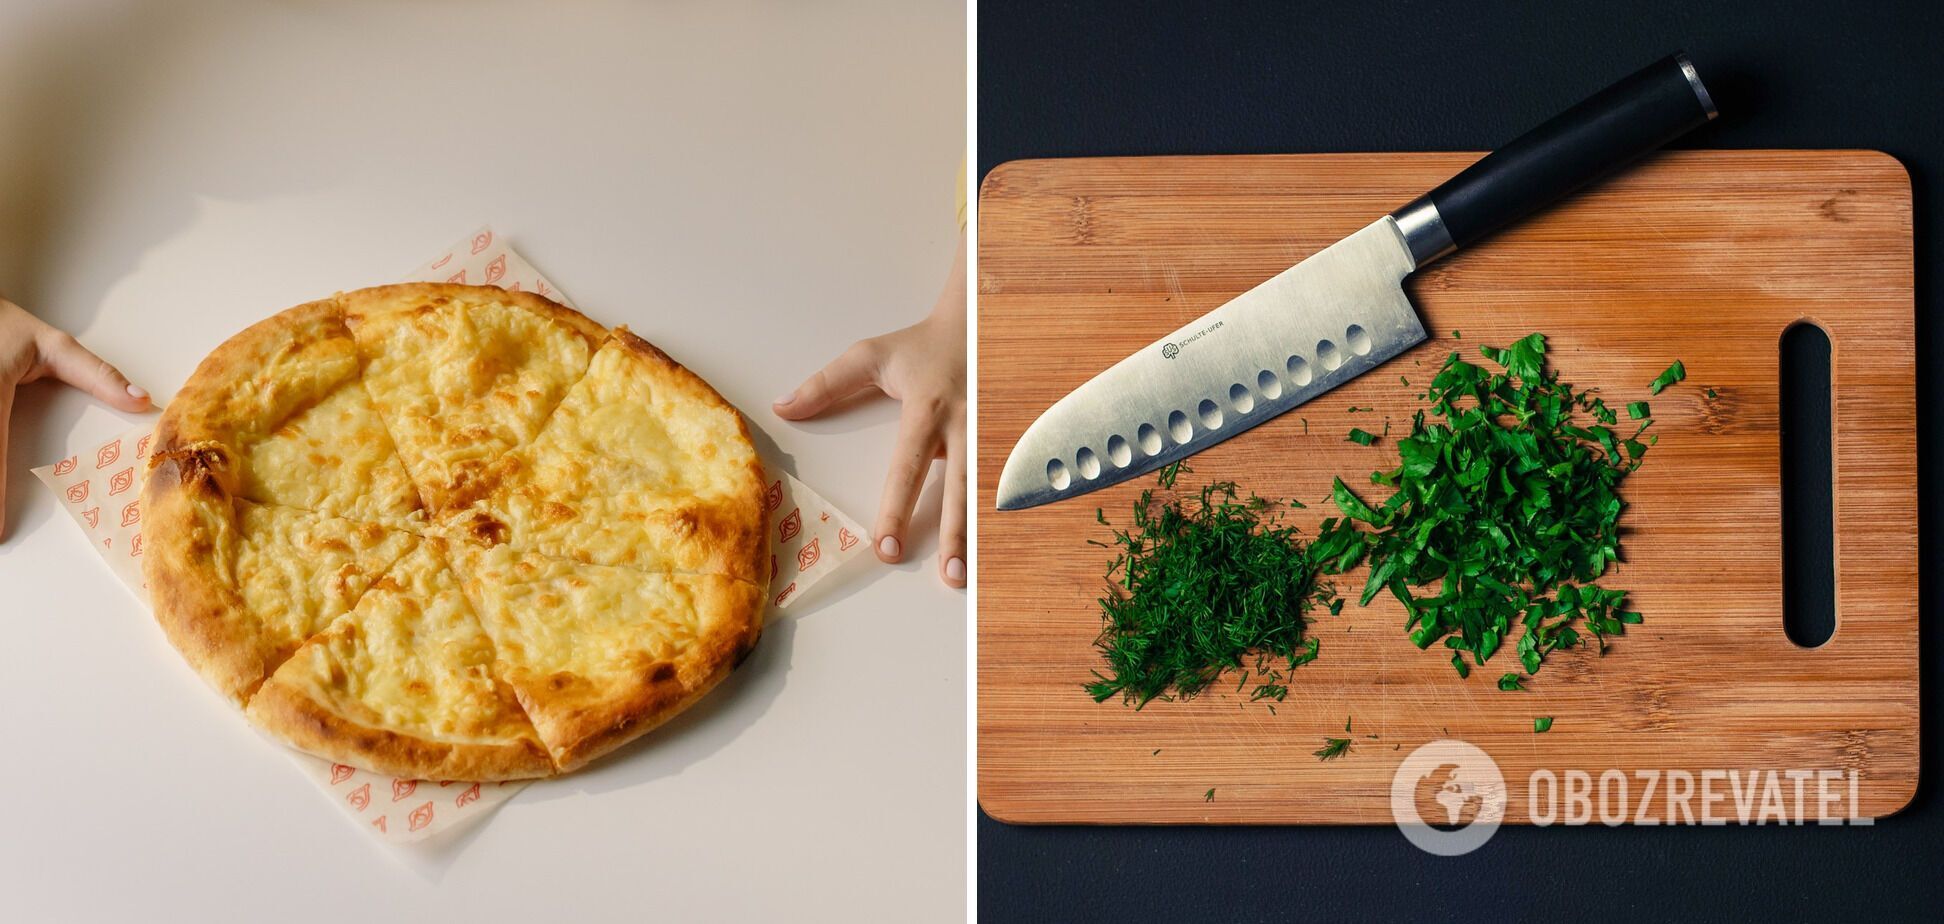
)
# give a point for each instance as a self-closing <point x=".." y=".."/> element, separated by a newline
<point x="403" y="788"/>
<point x="340" y="773"/>
<point x="442" y="261"/>
<point x="773" y="498"/>
<point x="92" y="515"/>
<point x="785" y="595"/>
<point x="540" y="286"/>
<point x="121" y="481"/>
<point x="496" y="269"/>
<point x="482" y="240"/>
<point x="359" y="798"/>
<point x="458" y="277"/>
<point x="845" y="539"/>
<point x="108" y="454"/>
<point x="808" y="556"/>
<point x="76" y="493"/>
<point x="132" y="514"/>
<point x="135" y="547"/>
<point x="379" y="823"/>
<point x="470" y="795"/>
<point x="421" y="816"/>
<point x="513" y="286"/>
<point x="141" y="447"/>
<point x="775" y="569"/>
<point x="792" y="525"/>
<point x="66" y="466"/>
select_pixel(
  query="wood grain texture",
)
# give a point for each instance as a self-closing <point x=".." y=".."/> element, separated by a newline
<point x="1701" y="256"/>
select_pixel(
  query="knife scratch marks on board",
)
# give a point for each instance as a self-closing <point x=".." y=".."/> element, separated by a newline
<point x="1083" y="220"/>
<point x="1174" y="292"/>
<point x="1705" y="266"/>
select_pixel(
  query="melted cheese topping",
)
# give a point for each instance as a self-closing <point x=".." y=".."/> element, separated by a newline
<point x="462" y="381"/>
<point x="631" y="463"/>
<point x="410" y="658"/>
<point x="549" y="615"/>
<point x="335" y="458"/>
<point x="296" y="572"/>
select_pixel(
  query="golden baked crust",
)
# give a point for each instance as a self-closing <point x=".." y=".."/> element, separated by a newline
<point x="237" y="586"/>
<point x="403" y="684"/>
<point x="282" y="405"/>
<point x="452" y="532"/>
<point x="598" y="654"/>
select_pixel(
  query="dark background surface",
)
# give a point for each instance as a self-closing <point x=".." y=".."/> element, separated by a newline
<point x="1073" y="79"/>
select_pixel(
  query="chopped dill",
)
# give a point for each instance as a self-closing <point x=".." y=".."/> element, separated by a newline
<point x="1205" y="582"/>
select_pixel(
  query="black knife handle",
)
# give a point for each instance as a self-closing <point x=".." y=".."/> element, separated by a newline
<point x="1641" y="112"/>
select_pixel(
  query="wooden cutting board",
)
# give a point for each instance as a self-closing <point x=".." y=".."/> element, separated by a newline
<point x="1700" y="256"/>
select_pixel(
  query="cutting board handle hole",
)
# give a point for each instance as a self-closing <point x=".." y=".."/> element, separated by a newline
<point x="1808" y="523"/>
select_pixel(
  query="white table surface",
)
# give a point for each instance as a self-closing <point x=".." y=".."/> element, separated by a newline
<point x="751" y="185"/>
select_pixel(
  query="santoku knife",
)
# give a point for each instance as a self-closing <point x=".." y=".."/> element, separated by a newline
<point x="1339" y="313"/>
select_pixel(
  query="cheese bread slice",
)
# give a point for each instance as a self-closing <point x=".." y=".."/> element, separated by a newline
<point x="280" y="414"/>
<point x="237" y="586"/>
<point x="643" y="465"/>
<point x="599" y="655"/>
<point x="464" y="374"/>
<point x="404" y="684"/>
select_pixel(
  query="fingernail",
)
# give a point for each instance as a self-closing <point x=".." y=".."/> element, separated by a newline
<point x="137" y="393"/>
<point x="785" y="400"/>
<point x="888" y="547"/>
<point x="955" y="568"/>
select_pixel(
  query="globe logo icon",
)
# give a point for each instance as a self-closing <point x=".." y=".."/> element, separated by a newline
<point x="1448" y="797"/>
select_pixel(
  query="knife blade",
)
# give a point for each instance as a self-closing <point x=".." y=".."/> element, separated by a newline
<point x="1337" y="314"/>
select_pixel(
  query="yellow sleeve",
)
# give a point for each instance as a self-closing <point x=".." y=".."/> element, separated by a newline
<point x="961" y="194"/>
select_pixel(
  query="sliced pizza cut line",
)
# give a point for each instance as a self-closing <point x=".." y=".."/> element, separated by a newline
<point x="405" y="683"/>
<point x="599" y="655"/>
<point x="238" y="586"/>
<point x="464" y="375"/>
<point x="280" y="413"/>
<point x="643" y="465"/>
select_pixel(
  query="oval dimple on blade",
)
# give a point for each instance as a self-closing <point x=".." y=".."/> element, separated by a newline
<point x="1313" y="327"/>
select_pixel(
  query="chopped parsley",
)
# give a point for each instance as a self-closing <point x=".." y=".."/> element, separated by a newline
<point x="1333" y="748"/>
<point x="1503" y="512"/>
<point x="1674" y="373"/>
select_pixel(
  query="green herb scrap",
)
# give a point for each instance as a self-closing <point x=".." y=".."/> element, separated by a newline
<point x="1333" y="748"/>
<point x="1362" y="438"/>
<point x="1503" y="511"/>
<point x="1205" y="582"/>
<point x="1511" y="682"/>
<point x="1674" y="373"/>
<point x="1209" y="796"/>
<point x="1542" y="724"/>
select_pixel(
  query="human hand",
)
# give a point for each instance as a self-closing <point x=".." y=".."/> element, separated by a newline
<point x="922" y="366"/>
<point x="31" y="349"/>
